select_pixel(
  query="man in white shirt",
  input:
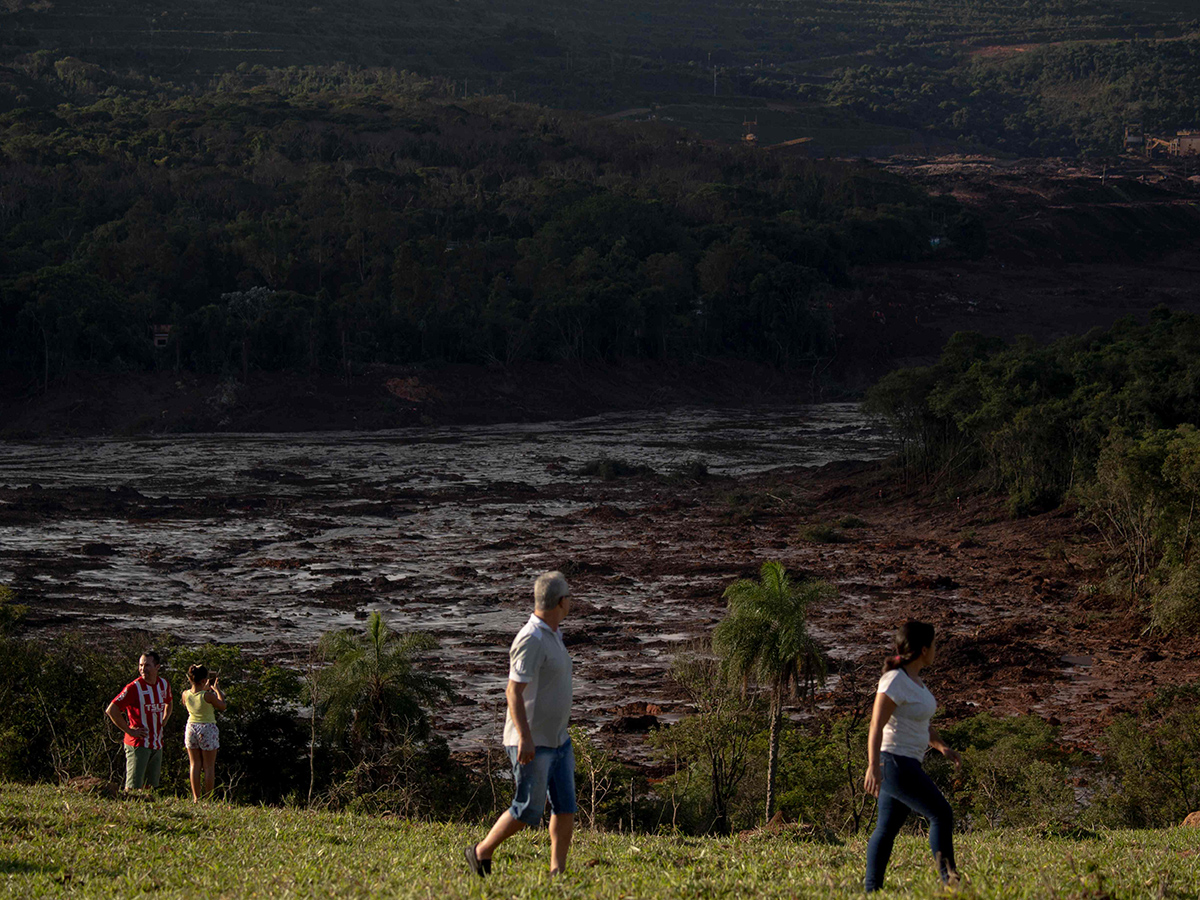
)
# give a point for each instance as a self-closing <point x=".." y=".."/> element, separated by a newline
<point x="535" y="730"/>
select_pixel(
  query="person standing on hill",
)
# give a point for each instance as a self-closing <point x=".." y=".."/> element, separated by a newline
<point x="146" y="704"/>
<point x="535" y="730"/>
<point x="900" y="734"/>
<point x="201" y="736"/>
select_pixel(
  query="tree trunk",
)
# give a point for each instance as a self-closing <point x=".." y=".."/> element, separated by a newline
<point x="46" y="348"/>
<point x="312" y="741"/>
<point x="773" y="751"/>
<point x="719" y="808"/>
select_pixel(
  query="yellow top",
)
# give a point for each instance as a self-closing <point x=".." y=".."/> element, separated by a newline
<point x="199" y="709"/>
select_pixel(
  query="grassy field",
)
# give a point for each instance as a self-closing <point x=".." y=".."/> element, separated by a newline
<point x="57" y="842"/>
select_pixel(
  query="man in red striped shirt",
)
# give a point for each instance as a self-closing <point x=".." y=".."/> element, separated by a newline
<point x="146" y="702"/>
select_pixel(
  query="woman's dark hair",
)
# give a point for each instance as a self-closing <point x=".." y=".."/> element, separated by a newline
<point x="198" y="674"/>
<point x="908" y="643"/>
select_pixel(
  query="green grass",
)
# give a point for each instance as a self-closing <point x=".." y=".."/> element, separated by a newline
<point x="56" y="842"/>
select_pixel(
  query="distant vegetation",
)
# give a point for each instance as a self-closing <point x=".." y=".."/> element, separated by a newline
<point x="1056" y="100"/>
<point x="1108" y="419"/>
<point x="330" y="219"/>
<point x="1022" y="76"/>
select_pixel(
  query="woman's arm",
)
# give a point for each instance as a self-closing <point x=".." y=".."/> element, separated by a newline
<point x="214" y="696"/>
<point x="884" y="707"/>
<point x="936" y="742"/>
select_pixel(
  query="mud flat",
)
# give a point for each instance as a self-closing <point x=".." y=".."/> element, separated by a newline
<point x="270" y="540"/>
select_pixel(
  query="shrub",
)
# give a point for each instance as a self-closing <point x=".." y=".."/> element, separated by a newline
<point x="823" y="534"/>
<point x="11" y="612"/>
<point x="602" y="781"/>
<point x="821" y="774"/>
<point x="709" y="751"/>
<point x="1153" y="763"/>
<point x="1014" y="772"/>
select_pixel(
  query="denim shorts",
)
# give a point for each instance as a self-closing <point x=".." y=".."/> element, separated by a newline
<point x="551" y="771"/>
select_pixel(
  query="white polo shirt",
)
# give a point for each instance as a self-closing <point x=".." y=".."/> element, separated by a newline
<point x="539" y="660"/>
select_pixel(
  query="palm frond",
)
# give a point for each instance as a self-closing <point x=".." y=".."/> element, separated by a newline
<point x="764" y="639"/>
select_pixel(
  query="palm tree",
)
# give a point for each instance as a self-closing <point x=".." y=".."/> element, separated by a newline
<point x="764" y="640"/>
<point x="374" y="696"/>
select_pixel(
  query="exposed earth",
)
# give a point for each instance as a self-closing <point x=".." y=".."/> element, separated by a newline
<point x="1025" y="626"/>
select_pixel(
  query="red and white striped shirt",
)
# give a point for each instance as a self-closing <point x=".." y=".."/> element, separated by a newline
<point x="144" y="704"/>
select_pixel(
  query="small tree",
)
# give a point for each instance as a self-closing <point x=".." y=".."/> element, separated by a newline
<point x="601" y="774"/>
<point x="716" y="739"/>
<point x="764" y="640"/>
<point x="372" y="696"/>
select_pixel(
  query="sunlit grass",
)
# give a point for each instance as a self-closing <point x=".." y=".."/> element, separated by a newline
<point x="56" y="842"/>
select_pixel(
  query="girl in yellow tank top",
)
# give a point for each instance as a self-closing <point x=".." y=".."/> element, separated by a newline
<point x="201" y="737"/>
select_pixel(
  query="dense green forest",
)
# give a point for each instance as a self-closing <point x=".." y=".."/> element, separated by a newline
<point x="1020" y="76"/>
<point x="332" y="218"/>
<point x="1107" y="421"/>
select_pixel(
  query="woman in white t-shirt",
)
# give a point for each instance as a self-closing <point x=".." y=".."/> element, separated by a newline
<point x="900" y="734"/>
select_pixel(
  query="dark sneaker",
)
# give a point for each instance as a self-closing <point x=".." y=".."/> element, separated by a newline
<point x="480" y="867"/>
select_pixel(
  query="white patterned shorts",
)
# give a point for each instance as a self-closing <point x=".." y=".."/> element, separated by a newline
<point x="201" y="736"/>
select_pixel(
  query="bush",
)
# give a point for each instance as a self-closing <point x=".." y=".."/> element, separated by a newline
<point x="708" y="752"/>
<point x="1014" y="772"/>
<point x="602" y="782"/>
<point x="11" y="612"/>
<point x="851" y="522"/>
<point x="823" y="534"/>
<point x="1153" y="764"/>
<point x="821" y="774"/>
<point x="52" y="700"/>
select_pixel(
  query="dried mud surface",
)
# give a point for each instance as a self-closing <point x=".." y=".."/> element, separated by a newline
<point x="1024" y="628"/>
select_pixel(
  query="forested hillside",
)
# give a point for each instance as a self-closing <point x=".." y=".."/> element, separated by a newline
<point x="325" y="220"/>
<point x="1041" y="77"/>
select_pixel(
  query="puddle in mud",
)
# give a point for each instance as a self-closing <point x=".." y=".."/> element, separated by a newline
<point x="270" y="540"/>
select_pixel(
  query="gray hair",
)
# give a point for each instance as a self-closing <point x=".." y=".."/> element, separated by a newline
<point x="549" y="588"/>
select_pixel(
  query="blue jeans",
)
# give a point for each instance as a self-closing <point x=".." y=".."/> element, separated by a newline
<point x="551" y="771"/>
<point x="906" y="787"/>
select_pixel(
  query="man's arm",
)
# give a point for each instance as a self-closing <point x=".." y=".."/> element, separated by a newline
<point x="167" y="711"/>
<point x="516" y="708"/>
<point x="114" y="713"/>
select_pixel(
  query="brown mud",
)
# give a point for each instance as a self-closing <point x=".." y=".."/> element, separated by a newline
<point x="385" y="397"/>
<point x="1024" y="626"/>
<point x="1071" y="246"/>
